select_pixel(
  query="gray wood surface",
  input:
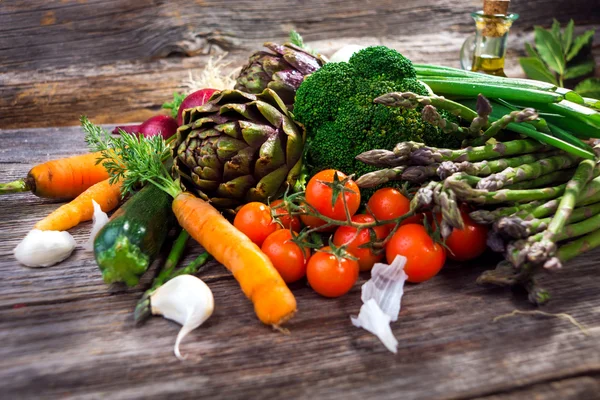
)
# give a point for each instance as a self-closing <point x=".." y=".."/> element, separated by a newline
<point x="64" y="333"/>
<point x="119" y="60"/>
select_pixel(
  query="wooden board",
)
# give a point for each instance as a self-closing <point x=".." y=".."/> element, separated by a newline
<point x="64" y="333"/>
<point x="119" y="61"/>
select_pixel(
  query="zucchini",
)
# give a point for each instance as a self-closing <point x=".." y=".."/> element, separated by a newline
<point x="126" y="246"/>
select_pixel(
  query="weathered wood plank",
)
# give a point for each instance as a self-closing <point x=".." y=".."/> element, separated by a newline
<point x="120" y="60"/>
<point x="65" y="333"/>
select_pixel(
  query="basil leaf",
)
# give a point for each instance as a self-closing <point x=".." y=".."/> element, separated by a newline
<point x="555" y="30"/>
<point x="589" y="88"/>
<point x="567" y="38"/>
<point x="579" y="42"/>
<point x="535" y="69"/>
<point x="550" y="50"/>
<point x="580" y="69"/>
<point x="531" y="51"/>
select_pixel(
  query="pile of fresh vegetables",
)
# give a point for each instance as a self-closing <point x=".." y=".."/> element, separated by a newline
<point x="320" y="170"/>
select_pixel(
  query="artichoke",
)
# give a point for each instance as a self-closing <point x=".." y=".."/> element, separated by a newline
<point x="283" y="70"/>
<point x="239" y="147"/>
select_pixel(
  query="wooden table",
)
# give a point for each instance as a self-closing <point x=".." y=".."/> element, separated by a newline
<point x="65" y="333"/>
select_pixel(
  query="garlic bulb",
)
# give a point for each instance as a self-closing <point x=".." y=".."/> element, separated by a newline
<point x="344" y="54"/>
<point x="100" y="219"/>
<point x="186" y="300"/>
<point x="44" y="248"/>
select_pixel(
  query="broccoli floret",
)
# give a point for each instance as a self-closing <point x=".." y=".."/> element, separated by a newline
<point x="383" y="63"/>
<point x="336" y="106"/>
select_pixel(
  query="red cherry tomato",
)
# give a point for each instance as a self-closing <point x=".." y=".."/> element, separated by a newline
<point x="319" y="195"/>
<point x="254" y="220"/>
<point x="468" y="243"/>
<point x="331" y="276"/>
<point x="286" y="220"/>
<point x="389" y="203"/>
<point x="424" y="257"/>
<point x="346" y="235"/>
<point x="287" y="257"/>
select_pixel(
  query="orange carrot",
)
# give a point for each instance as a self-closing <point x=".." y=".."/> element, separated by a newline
<point x="65" y="178"/>
<point x="273" y="302"/>
<point x="81" y="208"/>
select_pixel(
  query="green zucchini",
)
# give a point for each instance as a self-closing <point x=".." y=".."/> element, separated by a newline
<point x="126" y="246"/>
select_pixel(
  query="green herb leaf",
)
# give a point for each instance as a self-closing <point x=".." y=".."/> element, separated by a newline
<point x="589" y="88"/>
<point x="296" y="39"/>
<point x="579" y="43"/>
<point x="550" y="50"/>
<point x="531" y="52"/>
<point x="174" y="105"/>
<point x="567" y="37"/>
<point x="555" y="30"/>
<point x="536" y="69"/>
<point x="580" y="69"/>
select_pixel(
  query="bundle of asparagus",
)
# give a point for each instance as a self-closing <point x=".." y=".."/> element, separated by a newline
<point x="542" y="199"/>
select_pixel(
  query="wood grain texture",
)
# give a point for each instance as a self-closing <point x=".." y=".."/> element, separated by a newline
<point x="118" y="61"/>
<point x="66" y="334"/>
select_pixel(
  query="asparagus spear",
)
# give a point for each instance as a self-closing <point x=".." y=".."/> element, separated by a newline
<point x="466" y="193"/>
<point x="546" y="247"/>
<point x="490" y="216"/>
<point x="380" y="177"/>
<point x="526" y="172"/>
<point x="517" y="228"/>
<point x="553" y="178"/>
<point x="487" y="167"/>
<point x="419" y="154"/>
<point x="527" y="114"/>
<point x="412" y="100"/>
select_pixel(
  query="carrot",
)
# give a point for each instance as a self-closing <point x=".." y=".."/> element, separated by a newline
<point x="65" y="178"/>
<point x="81" y="208"/>
<point x="273" y="302"/>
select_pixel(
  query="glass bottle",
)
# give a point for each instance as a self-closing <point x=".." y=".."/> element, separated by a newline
<point x="485" y="51"/>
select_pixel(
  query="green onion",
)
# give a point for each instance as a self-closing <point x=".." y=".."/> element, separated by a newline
<point x="492" y="91"/>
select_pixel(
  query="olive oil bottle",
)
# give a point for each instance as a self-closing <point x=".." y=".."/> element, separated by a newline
<point x="489" y="44"/>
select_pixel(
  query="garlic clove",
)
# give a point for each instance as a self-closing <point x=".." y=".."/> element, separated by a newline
<point x="44" y="248"/>
<point x="386" y="286"/>
<point x="371" y="318"/>
<point x="186" y="300"/>
<point x="99" y="220"/>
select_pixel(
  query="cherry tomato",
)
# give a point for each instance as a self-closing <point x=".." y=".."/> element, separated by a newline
<point x="254" y="220"/>
<point x="287" y="257"/>
<point x="469" y="243"/>
<point x="319" y="195"/>
<point x="286" y="220"/>
<point x="424" y="257"/>
<point x="389" y="203"/>
<point x="331" y="276"/>
<point x="346" y="235"/>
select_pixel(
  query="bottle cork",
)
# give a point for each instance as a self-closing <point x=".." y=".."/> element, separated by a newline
<point x="495" y="7"/>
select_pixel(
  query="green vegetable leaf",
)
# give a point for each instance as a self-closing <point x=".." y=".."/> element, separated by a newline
<point x="296" y="39"/>
<point x="174" y="105"/>
<point x="531" y="52"/>
<point x="589" y="88"/>
<point x="555" y="30"/>
<point x="579" y="43"/>
<point x="580" y="69"/>
<point x="550" y="50"/>
<point x="535" y="69"/>
<point x="567" y="37"/>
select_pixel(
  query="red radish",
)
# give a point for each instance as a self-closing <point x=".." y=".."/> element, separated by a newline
<point x="195" y="99"/>
<point x="158" y="125"/>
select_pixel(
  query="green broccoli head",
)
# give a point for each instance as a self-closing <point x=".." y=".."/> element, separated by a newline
<point x="382" y="63"/>
<point x="335" y="104"/>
